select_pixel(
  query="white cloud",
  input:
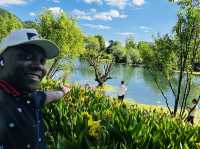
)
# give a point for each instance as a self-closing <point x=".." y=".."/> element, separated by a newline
<point x="126" y="34"/>
<point x="56" y="1"/>
<point x="118" y="3"/>
<point x="93" y="10"/>
<point x="79" y="14"/>
<point x="109" y="15"/>
<point x="93" y="1"/>
<point x="32" y="14"/>
<point x="12" y="2"/>
<point x="92" y="14"/>
<point x="99" y="26"/>
<point x="138" y="2"/>
<point x="56" y="10"/>
<point x="89" y="18"/>
<point x="146" y="29"/>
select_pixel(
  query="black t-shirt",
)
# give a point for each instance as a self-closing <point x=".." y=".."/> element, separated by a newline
<point x="21" y="124"/>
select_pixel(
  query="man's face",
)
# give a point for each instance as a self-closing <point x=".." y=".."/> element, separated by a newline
<point x="24" y="66"/>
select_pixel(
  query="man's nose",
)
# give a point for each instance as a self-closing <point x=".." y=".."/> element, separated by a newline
<point x="38" y="66"/>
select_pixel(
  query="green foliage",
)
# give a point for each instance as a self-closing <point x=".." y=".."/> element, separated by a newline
<point x="92" y="45"/>
<point x="179" y="52"/>
<point x="118" y="51"/>
<point x="9" y="22"/>
<point x="133" y="56"/>
<point x="100" y="61"/>
<point x="31" y="24"/>
<point x="63" y="31"/>
<point x="130" y="42"/>
<point x="87" y="119"/>
<point x="101" y="42"/>
<point x="132" y="53"/>
<point x="146" y="52"/>
<point x="164" y="58"/>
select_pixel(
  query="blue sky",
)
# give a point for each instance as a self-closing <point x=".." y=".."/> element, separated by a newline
<point x="113" y="19"/>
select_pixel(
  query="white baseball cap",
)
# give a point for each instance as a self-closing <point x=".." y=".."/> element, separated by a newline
<point x="29" y="36"/>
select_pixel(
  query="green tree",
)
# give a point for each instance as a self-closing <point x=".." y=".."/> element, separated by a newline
<point x="187" y="33"/>
<point x="92" y="44"/>
<point x="132" y="53"/>
<point x="100" y="61"/>
<point x="160" y="60"/>
<point x="65" y="33"/>
<point x="118" y="51"/>
<point x="130" y="42"/>
<point x="31" y="24"/>
<point x="9" y="22"/>
<point x="179" y="51"/>
<point x="133" y="56"/>
<point x="146" y="52"/>
<point x="164" y="53"/>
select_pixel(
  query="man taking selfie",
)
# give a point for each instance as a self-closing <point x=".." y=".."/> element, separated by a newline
<point x="22" y="58"/>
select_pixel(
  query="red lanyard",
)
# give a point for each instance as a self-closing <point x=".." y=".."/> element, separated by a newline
<point x="5" y="86"/>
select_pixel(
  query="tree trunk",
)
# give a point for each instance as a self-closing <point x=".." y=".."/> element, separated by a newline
<point x="52" y="67"/>
<point x="100" y="84"/>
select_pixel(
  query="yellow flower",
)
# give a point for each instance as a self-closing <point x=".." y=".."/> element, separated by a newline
<point x="108" y="114"/>
<point x="95" y="129"/>
<point x="86" y="115"/>
<point x="90" y="121"/>
<point x="82" y="92"/>
<point x="82" y="99"/>
<point x="198" y="145"/>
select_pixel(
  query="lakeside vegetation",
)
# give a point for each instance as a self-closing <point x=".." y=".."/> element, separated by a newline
<point x="88" y="119"/>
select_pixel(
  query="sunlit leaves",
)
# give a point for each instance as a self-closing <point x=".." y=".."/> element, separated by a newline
<point x="9" y="22"/>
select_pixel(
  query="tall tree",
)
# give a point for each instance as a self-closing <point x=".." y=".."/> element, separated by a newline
<point x="187" y="33"/>
<point x="65" y="33"/>
<point x="184" y="47"/>
<point x="98" y="60"/>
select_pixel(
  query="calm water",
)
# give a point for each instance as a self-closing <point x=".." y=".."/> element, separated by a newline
<point x="140" y="86"/>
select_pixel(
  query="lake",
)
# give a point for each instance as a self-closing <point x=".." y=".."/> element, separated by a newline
<point x="140" y="86"/>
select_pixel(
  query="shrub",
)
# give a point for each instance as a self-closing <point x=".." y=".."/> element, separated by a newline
<point x="87" y="119"/>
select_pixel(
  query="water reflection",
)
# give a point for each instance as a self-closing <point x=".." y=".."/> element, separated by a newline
<point x="141" y="86"/>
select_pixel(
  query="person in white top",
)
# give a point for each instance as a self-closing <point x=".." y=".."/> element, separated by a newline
<point x="192" y="109"/>
<point x="122" y="91"/>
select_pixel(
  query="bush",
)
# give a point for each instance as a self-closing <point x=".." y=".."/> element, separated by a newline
<point x="86" y="119"/>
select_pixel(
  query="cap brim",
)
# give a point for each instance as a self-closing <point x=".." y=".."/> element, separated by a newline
<point x="49" y="47"/>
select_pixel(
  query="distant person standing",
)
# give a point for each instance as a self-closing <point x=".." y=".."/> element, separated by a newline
<point x="122" y="91"/>
<point x="192" y="109"/>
